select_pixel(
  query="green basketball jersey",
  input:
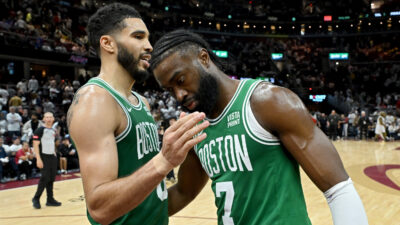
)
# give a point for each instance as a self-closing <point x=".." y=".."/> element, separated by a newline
<point x="254" y="178"/>
<point x="137" y="145"/>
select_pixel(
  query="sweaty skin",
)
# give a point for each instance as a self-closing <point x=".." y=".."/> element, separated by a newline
<point x="95" y="119"/>
<point x="277" y="109"/>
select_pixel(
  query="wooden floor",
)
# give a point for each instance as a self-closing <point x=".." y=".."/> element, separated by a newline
<point x="381" y="198"/>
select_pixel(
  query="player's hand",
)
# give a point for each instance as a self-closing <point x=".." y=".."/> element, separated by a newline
<point x="39" y="163"/>
<point x="179" y="139"/>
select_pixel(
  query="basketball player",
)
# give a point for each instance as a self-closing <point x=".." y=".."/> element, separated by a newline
<point x="116" y="137"/>
<point x="258" y="135"/>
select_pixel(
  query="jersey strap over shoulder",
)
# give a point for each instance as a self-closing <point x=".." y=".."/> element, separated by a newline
<point x="137" y="145"/>
<point x="255" y="180"/>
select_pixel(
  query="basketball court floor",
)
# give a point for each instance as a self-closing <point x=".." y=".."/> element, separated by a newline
<point x="373" y="166"/>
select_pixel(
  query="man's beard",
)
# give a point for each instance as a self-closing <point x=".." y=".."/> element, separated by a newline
<point x="130" y="64"/>
<point x="207" y="94"/>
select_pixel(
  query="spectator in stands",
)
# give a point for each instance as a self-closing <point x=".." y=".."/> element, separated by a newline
<point x="11" y="91"/>
<point x="351" y="117"/>
<point x="25" y="160"/>
<point x="13" y="122"/>
<point x="22" y="86"/>
<point x="30" y="126"/>
<point x="24" y="115"/>
<point x="69" y="90"/>
<point x="393" y="130"/>
<point x="7" y="162"/>
<point x="15" y="146"/>
<point x="344" y="125"/>
<point x="68" y="151"/>
<point x="35" y="99"/>
<point x="15" y="101"/>
<point x="48" y="106"/>
<point x="76" y="84"/>
<point x="3" y="98"/>
<point x="3" y="124"/>
<point x="33" y="85"/>
<point x="3" y="161"/>
<point x="53" y="92"/>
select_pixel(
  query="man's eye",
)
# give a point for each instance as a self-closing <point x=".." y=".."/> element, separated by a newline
<point x="181" y="80"/>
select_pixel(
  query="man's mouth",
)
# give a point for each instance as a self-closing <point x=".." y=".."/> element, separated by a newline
<point x="145" y="60"/>
<point x="191" y="104"/>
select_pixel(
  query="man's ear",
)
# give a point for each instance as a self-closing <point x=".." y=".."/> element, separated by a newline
<point x="204" y="58"/>
<point x="108" y="44"/>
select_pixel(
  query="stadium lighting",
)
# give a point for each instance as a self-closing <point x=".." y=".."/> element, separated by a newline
<point x="320" y="26"/>
<point x="199" y="22"/>
<point x="369" y="24"/>
<point x="264" y="27"/>
<point x="337" y="26"/>
<point x="224" y="24"/>
<point x="339" y="56"/>
<point x="344" y="17"/>
<point x="221" y="54"/>
<point x="280" y="27"/>
<point x="276" y="56"/>
<point x="351" y="25"/>
<point x="166" y="8"/>
<point x="327" y="18"/>
<point x="293" y="19"/>
<point x="183" y="21"/>
<point x="309" y="27"/>
<point x="293" y="27"/>
<point x="209" y="23"/>
<point x="229" y="16"/>
<point x="395" y="13"/>
<point x="378" y="15"/>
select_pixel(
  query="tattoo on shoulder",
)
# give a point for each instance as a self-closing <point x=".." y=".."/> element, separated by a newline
<point x="75" y="101"/>
<point x="69" y="116"/>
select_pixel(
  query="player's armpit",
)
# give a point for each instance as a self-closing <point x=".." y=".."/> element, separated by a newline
<point x="287" y="118"/>
<point x="191" y="180"/>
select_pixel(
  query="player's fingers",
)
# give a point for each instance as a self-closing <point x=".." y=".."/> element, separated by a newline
<point x="182" y="119"/>
<point x="190" y="134"/>
<point x="182" y="114"/>
<point x="191" y="143"/>
<point x="189" y="124"/>
<point x="186" y="122"/>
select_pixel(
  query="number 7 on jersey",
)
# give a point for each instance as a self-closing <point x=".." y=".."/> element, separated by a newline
<point x="226" y="187"/>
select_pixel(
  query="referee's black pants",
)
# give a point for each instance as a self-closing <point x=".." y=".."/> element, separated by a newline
<point x="49" y="172"/>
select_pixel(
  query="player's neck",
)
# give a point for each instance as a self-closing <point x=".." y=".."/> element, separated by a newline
<point x="226" y="90"/>
<point x="116" y="76"/>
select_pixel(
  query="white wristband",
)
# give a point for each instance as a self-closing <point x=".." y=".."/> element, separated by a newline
<point x="345" y="204"/>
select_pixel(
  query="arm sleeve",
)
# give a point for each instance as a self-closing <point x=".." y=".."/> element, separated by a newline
<point x="345" y="204"/>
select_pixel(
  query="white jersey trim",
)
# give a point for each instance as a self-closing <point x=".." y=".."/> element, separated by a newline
<point x="253" y="128"/>
<point x="137" y="107"/>
<point x="226" y="109"/>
